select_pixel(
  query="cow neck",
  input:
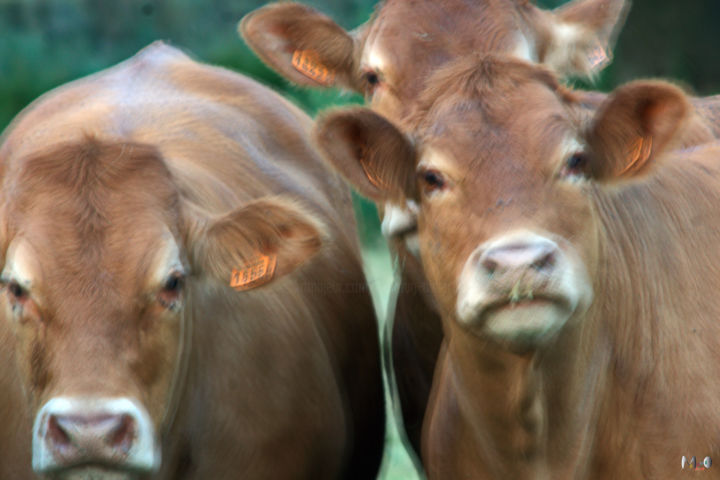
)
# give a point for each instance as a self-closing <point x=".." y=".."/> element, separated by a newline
<point x="652" y="250"/>
<point x="531" y="415"/>
<point x="182" y="362"/>
<point x="655" y="237"/>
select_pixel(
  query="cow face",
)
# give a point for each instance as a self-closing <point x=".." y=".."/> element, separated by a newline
<point x="101" y="258"/>
<point x="389" y="58"/>
<point x="505" y="174"/>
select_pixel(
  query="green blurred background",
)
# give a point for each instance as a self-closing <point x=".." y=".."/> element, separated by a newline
<point x="45" y="43"/>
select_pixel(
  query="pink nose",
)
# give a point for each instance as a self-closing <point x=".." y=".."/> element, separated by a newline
<point x="74" y="438"/>
<point x="539" y="255"/>
<point x="73" y="432"/>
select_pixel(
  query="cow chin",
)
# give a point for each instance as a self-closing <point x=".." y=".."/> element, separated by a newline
<point x="94" y="473"/>
<point x="523" y="326"/>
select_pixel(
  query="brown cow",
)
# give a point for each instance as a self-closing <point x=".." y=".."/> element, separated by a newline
<point x="575" y="265"/>
<point x="131" y="200"/>
<point x="389" y="59"/>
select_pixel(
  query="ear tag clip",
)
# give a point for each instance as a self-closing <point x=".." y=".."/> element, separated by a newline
<point x="254" y="274"/>
<point x="308" y="63"/>
<point x="599" y="57"/>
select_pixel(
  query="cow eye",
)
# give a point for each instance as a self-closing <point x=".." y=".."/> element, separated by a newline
<point x="576" y="165"/>
<point x="432" y="181"/>
<point x="372" y="80"/>
<point x="171" y="290"/>
<point x="17" y="292"/>
<point x="173" y="283"/>
<point x="17" y="295"/>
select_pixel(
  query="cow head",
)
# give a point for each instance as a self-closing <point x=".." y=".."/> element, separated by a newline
<point x="506" y="174"/>
<point x="101" y="260"/>
<point x="389" y="58"/>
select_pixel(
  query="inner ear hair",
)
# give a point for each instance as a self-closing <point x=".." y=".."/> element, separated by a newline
<point x="638" y="156"/>
<point x="369" y="151"/>
<point x="635" y="125"/>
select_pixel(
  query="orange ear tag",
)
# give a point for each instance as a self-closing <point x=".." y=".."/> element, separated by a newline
<point x="254" y="274"/>
<point x="308" y="63"/>
<point x="598" y="57"/>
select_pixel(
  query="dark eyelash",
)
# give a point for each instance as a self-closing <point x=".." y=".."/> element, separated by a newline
<point x="174" y="283"/>
<point x="433" y="180"/>
<point x="372" y="78"/>
<point x="16" y="290"/>
<point x="576" y="161"/>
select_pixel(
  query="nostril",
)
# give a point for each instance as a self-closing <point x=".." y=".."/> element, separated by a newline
<point x="489" y="265"/>
<point x="115" y="431"/>
<point x="122" y="434"/>
<point x="56" y="434"/>
<point x="545" y="262"/>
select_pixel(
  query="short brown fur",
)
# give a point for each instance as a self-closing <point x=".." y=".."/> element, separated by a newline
<point x="416" y="39"/>
<point x="282" y="381"/>
<point x="624" y="390"/>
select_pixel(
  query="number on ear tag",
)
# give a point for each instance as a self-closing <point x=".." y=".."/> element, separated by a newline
<point x="254" y="274"/>
<point x="308" y="63"/>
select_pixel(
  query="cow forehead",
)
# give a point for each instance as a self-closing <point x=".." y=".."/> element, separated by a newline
<point x="419" y="36"/>
<point x="95" y="179"/>
<point x="435" y="157"/>
<point x="446" y="19"/>
<point x="472" y="138"/>
<point x="89" y="211"/>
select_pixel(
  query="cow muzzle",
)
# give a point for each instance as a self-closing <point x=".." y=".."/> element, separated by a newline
<point x="79" y="437"/>
<point x="520" y="289"/>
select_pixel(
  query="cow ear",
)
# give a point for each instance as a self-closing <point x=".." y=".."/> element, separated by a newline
<point x="300" y="43"/>
<point x="255" y="244"/>
<point x="634" y="126"/>
<point x="581" y="35"/>
<point x="370" y="152"/>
